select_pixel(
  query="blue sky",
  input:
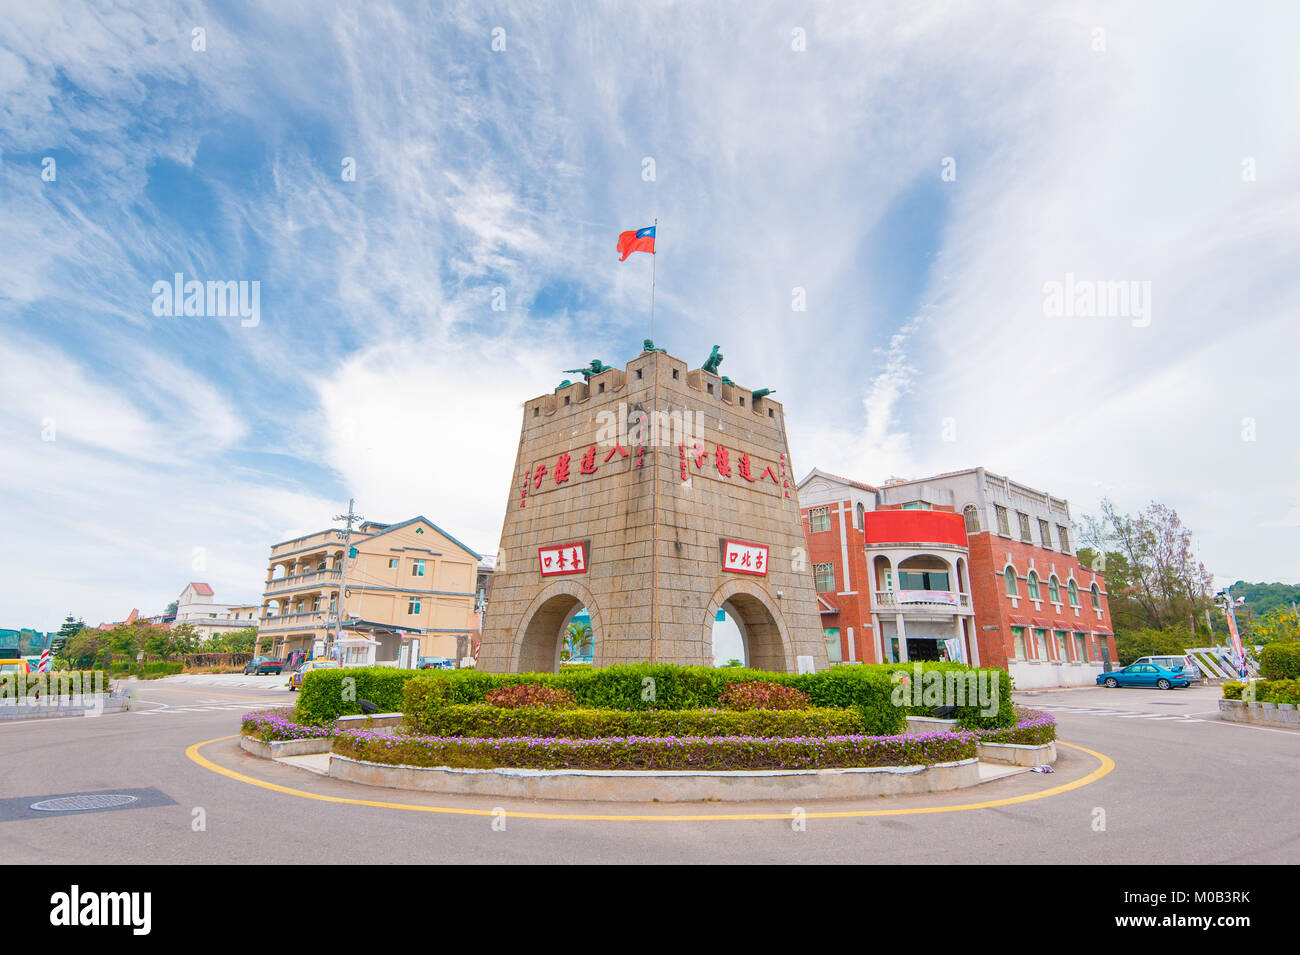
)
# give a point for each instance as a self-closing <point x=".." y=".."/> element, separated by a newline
<point x="146" y="451"/>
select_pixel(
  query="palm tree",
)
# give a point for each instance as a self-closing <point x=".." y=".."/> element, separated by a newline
<point x="578" y="641"/>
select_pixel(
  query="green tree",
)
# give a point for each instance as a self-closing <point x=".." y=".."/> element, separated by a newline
<point x="1275" y="626"/>
<point x="1154" y="580"/>
<point x="578" y="641"/>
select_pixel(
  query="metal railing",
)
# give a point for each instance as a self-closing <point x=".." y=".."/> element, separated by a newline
<point x="314" y="578"/>
<point x="921" y="598"/>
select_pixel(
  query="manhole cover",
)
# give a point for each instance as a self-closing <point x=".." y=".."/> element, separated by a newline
<point x="88" y="801"/>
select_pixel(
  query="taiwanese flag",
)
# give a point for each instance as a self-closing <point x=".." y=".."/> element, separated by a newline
<point x="642" y="240"/>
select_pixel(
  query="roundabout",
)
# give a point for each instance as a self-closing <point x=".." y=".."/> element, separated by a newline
<point x="1083" y="770"/>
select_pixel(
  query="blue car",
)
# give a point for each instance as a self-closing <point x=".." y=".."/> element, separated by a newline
<point x="1145" y="675"/>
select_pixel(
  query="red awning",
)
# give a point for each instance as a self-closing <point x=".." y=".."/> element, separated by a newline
<point x="1017" y="621"/>
<point x="1042" y="624"/>
<point x="1102" y="631"/>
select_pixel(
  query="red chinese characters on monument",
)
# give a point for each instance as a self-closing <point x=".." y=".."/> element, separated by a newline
<point x="696" y="453"/>
<point x="744" y="558"/>
<point x="561" y="559"/>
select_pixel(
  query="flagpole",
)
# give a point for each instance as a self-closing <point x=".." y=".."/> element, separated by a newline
<point x="653" y="269"/>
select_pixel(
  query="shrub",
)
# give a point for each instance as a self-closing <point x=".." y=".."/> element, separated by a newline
<point x="328" y="694"/>
<point x="277" y="724"/>
<point x="1232" y="690"/>
<point x="762" y="696"/>
<point x="530" y="695"/>
<point x="867" y="689"/>
<point x="1280" y="661"/>
<point x="1033" y="728"/>
<point x="1278" y="691"/>
<point x="477" y="720"/>
<point x="661" y="753"/>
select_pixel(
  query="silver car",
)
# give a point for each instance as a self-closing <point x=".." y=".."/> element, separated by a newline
<point x="1182" y="662"/>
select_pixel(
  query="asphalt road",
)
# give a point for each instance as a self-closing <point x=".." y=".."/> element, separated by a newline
<point x="1184" y="788"/>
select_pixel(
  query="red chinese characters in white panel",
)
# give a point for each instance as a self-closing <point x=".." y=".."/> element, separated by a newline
<point x="744" y="558"/>
<point x="562" y="559"/>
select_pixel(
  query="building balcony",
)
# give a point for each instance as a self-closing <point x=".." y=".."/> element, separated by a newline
<point x="306" y="620"/>
<point x="926" y="601"/>
<point x="315" y="579"/>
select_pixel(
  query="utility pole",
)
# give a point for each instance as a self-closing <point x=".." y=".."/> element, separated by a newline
<point x="349" y="518"/>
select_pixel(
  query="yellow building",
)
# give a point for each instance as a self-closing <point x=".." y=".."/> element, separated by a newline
<point x="410" y="583"/>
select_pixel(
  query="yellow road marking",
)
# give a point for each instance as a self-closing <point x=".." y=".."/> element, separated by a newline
<point x="1107" y="764"/>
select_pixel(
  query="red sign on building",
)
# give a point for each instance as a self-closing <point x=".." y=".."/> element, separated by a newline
<point x="744" y="558"/>
<point x="562" y="559"/>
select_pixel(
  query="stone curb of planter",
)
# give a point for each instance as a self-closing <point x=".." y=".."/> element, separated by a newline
<point x="1018" y="754"/>
<point x="53" y="706"/>
<point x="920" y="725"/>
<point x="1284" y="715"/>
<point x="284" y="747"/>
<point x="594" y="785"/>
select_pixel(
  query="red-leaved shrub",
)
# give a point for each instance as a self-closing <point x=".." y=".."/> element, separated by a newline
<point x="762" y="696"/>
<point x="529" y="694"/>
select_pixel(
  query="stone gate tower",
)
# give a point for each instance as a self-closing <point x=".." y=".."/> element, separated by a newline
<point x="654" y="496"/>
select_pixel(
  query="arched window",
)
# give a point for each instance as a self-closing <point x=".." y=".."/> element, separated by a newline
<point x="972" y="515"/>
<point x="860" y="512"/>
<point x="1012" y="589"/>
<point x="1033" y="586"/>
<point x="1074" y="594"/>
<point x="1096" y="598"/>
<point x="1054" y="589"/>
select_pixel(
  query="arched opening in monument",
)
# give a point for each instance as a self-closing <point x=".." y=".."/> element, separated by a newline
<point x="547" y="635"/>
<point x="760" y="637"/>
<point x="578" y="639"/>
<point x="728" y="644"/>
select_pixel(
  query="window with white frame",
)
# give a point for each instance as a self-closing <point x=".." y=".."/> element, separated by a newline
<point x="1045" y="533"/>
<point x="413" y="606"/>
<point x="1054" y="589"/>
<point x="1009" y="575"/>
<point x="1024" y="527"/>
<point x="824" y="577"/>
<point x="417" y="568"/>
<point x="972" y="515"/>
<point x="1096" y="597"/>
<point x="1004" y="528"/>
<point x="1033" y="586"/>
<point x="1074" y="593"/>
<point x="1063" y="533"/>
<point x="819" y="519"/>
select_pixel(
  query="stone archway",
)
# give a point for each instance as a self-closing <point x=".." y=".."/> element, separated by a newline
<point x="762" y="628"/>
<point x="537" y="643"/>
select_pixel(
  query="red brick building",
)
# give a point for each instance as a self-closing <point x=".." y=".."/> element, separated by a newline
<point x="967" y="566"/>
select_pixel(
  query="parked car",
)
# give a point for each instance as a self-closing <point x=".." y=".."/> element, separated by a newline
<point x="14" y="665"/>
<point x="295" y="678"/>
<point x="436" y="663"/>
<point x="1177" y="662"/>
<point x="263" y="665"/>
<point x="1143" y="675"/>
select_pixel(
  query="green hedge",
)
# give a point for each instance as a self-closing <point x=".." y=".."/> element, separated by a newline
<point x="663" y="753"/>
<point x="328" y="694"/>
<point x="1280" y="661"/>
<point x="1264" y="691"/>
<point x="495" y="722"/>
<point x="148" y="670"/>
<point x="868" y="689"/>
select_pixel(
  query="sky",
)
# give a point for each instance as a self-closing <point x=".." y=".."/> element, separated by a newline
<point x="866" y="205"/>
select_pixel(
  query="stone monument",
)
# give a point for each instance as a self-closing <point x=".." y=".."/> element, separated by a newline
<point x="654" y="496"/>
